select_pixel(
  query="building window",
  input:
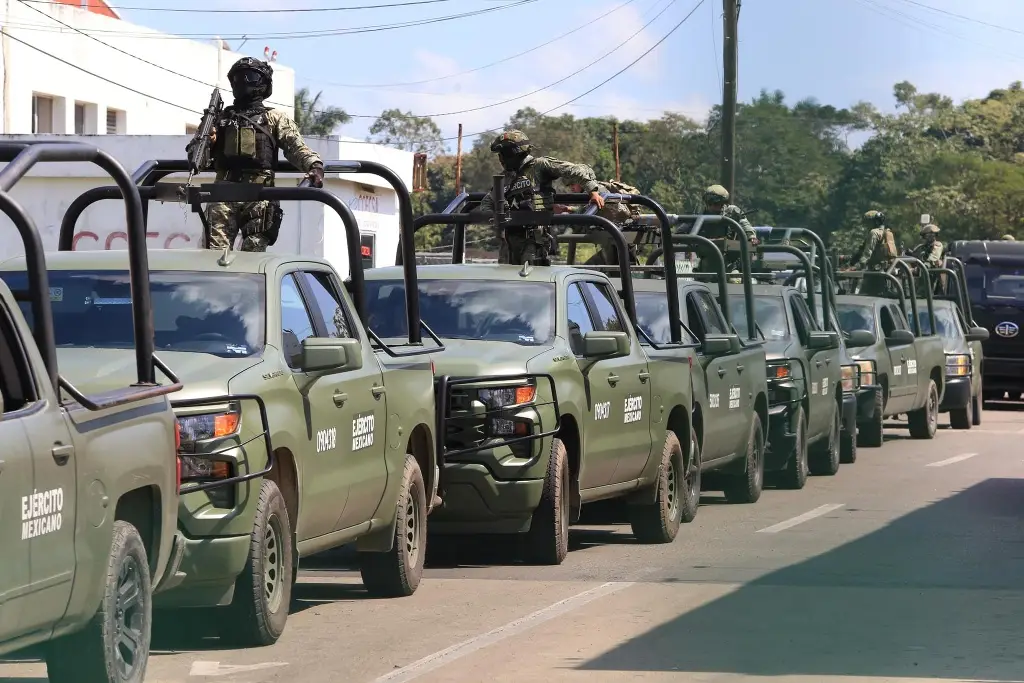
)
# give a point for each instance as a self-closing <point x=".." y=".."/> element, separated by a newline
<point x="115" y="121"/>
<point x="42" y="114"/>
<point x="79" y="118"/>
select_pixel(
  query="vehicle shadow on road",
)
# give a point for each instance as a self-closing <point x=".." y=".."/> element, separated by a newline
<point x="935" y="594"/>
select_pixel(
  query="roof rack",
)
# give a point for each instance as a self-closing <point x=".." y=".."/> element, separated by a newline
<point x="21" y="157"/>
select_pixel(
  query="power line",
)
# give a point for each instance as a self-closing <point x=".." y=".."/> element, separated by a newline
<point x="375" y="116"/>
<point x="963" y="17"/>
<point x="631" y="64"/>
<point x="254" y="11"/>
<point x="299" y="35"/>
<point x="485" y="66"/>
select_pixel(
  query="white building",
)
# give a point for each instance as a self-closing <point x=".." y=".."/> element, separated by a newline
<point x="109" y="95"/>
<point x="309" y="228"/>
<point x="75" y="71"/>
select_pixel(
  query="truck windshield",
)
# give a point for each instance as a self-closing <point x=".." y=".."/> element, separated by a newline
<point x="854" y="317"/>
<point x="491" y="310"/>
<point x="217" y="313"/>
<point x="944" y="320"/>
<point x="769" y="315"/>
<point x="1002" y="284"/>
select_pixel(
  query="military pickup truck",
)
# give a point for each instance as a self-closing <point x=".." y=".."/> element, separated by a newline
<point x="87" y="517"/>
<point x="908" y="363"/>
<point x="300" y="431"/>
<point x="565" y="361"/>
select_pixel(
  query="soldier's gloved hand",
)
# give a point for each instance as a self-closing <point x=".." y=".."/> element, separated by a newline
<point x="597" y="199"/>
<point x="316" y="175"/>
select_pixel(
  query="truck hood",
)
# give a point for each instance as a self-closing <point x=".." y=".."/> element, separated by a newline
<point x="97" y="370"/>
<point x="472" y="358"/>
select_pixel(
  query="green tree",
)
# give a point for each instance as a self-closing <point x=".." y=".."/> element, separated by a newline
<point x="313" y="119"/>
<point x="403" y="130"/>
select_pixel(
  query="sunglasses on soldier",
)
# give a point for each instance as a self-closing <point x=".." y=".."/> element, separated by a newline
<point x="251" y="76"/>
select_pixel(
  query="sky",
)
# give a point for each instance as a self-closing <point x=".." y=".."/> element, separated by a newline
<point x="836" y="51"/>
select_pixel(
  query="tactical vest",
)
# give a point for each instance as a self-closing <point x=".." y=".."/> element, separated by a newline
<point x="885" y="249"/>
<point x="245" y="141"/>
<point x="522" y="196"/>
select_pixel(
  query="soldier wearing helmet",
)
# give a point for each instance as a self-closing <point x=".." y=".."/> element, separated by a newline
<point x="623" y="215"/>
<point x="931" y="250"/>
<point x="878" y="252"/>
<point x="529" y="184"/>
<point x="716" y="203"/>
<point x="1008" y="238"/>
<point x="245" y="147"/>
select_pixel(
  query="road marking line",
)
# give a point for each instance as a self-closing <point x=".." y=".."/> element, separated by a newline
<point x="950" y="461"/>
<point x="466" y="647"/>
<point x="800" y="519"/>
<point x="200" y="668"/>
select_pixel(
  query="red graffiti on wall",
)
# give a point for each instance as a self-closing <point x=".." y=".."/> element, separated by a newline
<point x="122" y="235"/>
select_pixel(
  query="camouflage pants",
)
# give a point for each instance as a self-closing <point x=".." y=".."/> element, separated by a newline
<point x="521" y="245"/>
<point x="228" y="219"/>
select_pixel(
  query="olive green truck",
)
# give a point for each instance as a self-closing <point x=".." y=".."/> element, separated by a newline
<point x="88" y="481"/>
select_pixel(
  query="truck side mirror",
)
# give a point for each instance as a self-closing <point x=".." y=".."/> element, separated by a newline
<point x="605" y="344"/>
<point x="977" y="334"/>
<point x="720" y="344"/>
<point x="327" y="354"/>
<point x="820" y="341"/>
<point x="859" y="338"/>
<point x="899" y="338"/>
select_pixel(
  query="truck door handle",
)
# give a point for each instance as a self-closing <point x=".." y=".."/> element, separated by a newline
<point x="817" y="363"/>
<point x="61" y="454"/>
<point x="378" y="391"/>
<point x="739" y="368"/>
<point x="721" y="372"/>
<point x="339" y="398"/>
<point x="828" y="361"/>
<point x="644" y="376"/>
<point x="2" y="463"/>
<point x="613" y="379"/>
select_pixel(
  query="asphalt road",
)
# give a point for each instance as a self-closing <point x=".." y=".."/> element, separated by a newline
<point x="906" y="566"/>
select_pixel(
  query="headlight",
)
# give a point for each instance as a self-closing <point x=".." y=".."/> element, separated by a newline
<point x="867" y="372"/>
<point x="199" y="468"/>
<point x="207" y="426"/>
<point x="851" y="378"/>
<point x="958" y="365"/>
<point x="507" y="397"/>
<point x="779" y="370"/>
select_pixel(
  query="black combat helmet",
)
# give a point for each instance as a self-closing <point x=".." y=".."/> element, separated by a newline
<point x="251" y="80"/>
<point x="513" y="148"/>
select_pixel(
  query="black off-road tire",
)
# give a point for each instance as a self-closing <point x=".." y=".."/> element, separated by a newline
<point x="871" y="433"/>
<point x="924" y="421"/>
<point x="747" y="487"/>
<point x="824" y="461"/>
<point x="263" y="591"/>
<point x="848" y="445"/>
<point x="962" y="418"/>
<point x="114" y="645"/>
<point x="658" y="522"/>
<point x="692" y="480"/>
<point x="794" y="477"/>
<point x="547" y="542"/>
<point x="397" y="573"/>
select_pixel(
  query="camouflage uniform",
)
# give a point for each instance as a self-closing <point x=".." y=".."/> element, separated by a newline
<point x="529" y="187"/>
<point x="621" y="215"/>
<point x="248" y="136"/>
<point x="931" y="250"/>
<point x="878" y="254"/>
<point x="716" y="201"/>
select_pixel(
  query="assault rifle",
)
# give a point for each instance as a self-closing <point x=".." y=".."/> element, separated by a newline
<point x="198" y="148"/>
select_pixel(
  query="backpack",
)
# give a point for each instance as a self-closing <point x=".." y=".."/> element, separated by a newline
<point x="622" y="188"/>
<point x="888" y="245"/>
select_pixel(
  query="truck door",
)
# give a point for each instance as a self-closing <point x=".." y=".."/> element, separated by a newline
<point x="721" y="437"/>
<point x="823" y="368"/>
<point x="15" y="482"/>
<point x="362" y="432"/>
<point x="904" y="389"/>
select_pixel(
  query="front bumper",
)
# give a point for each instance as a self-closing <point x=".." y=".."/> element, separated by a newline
<point x="475" y="502"/>
<point x="206" y="573"/>
<point x="957" y="394"/>
<point x="1003" y="374"/>
<point x="866" y="401"/>
<point x="785" y="398"/>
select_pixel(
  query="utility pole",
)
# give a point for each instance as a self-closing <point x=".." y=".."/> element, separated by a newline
<point x="458" y="165"/>
<point x="615" y="142"/>
<point x="730" y="22"/>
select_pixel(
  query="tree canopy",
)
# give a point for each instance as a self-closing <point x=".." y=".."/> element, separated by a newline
<point x="797" y="165"/>
<point x="312" y="119"/>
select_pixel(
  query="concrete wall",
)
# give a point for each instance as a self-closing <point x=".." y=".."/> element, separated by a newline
<point x="308" y="228"/>
<point x="27" y="72"/>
